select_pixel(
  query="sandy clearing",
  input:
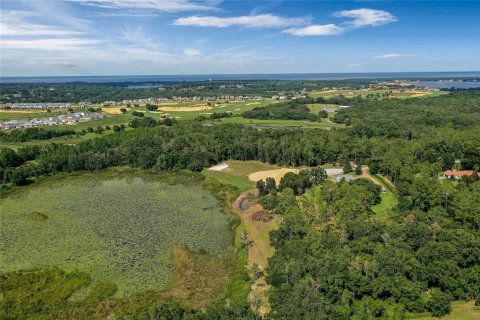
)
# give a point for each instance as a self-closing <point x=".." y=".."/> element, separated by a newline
<point x="237" y="109"/>
<point x="219" y="167"/>
<point x="252" y="103"/>
<point x="277" y="174"/>
<point x="334" y="171"/>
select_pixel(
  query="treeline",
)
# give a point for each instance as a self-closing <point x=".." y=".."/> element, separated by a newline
<point x="290" y="110"/>
<point x="33" y="134"/>
<point x="195" y="147"/>
<point x="411" y="118"/>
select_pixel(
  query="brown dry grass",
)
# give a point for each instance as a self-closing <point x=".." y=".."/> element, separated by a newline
<point x="198" y="278"/>
<point x="112" y="110"/>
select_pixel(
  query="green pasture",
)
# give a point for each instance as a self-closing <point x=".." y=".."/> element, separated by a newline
<point x="237" y="173"/>
<point x="274" y="123"/>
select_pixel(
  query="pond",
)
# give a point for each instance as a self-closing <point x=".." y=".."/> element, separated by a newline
<point x="117" y="228"/>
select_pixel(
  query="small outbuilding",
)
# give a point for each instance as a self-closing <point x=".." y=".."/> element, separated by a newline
<point x="340" y="177"/>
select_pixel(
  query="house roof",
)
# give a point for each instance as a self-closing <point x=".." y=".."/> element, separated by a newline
<point x="459" y="173"/>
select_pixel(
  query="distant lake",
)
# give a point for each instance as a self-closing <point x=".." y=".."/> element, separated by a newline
<point x="449" y="84"/>
<point x="238" y="77"/>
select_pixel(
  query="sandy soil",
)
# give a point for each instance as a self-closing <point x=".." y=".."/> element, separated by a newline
<point x="276" y="174"/>
<point x="219" y="167"/>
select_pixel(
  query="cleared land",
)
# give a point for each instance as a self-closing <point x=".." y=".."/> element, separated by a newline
<point x="277" y="174"/>
<point x="238" y="171"/>
<point x="260" y="249"/>
<point x="118" y="227"/>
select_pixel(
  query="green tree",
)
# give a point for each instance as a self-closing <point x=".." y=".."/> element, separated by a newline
<point x="347" y="167"/>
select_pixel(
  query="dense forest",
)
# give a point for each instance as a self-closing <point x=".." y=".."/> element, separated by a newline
<point x="290" y="110"/>
<point x="335" y="257"/>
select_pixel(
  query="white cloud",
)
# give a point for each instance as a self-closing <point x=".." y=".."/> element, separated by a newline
<point x="366" y="17"/>
<point x="392" y="56"/>
<point x="18" y="23"/>
<point x="192" y="52"/>
<point x="253" y="21"/>
<point x="315" y="30"/>
<point x="158" y="5"/>
<point x="48" y="44"/>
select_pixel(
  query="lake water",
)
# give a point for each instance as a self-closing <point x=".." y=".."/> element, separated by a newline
<point x="449" y="84"/>
<point x="279" y="76"/>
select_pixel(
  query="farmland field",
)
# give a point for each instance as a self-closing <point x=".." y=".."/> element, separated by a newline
<point x="119" y="227"/>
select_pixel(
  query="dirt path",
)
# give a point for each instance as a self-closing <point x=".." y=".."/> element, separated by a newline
<point x="259" y="251"/>
<point x="367" y="175"/>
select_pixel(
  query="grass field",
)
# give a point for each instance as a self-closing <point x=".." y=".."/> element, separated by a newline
<point x="460" y="311"/>
<point x="118" y="227"/>
<point x="13" y="114"/>
<point x="317" y="107"/>
<point x="238" y="172"/>
<point x="191" y="110"/>
<point x="281" y="123"/>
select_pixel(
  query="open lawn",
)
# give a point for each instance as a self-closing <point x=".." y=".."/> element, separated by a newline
<point x="117" y="226"/>
<point x="14" y="114"/>
<point x="460" y="311"/>
<point x="237" y="173"/>
<point x="280" y="123"/>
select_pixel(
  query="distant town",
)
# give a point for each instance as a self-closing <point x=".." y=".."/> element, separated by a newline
<point x="70" y="118"/>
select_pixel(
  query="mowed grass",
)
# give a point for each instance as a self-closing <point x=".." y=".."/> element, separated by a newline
<point x="238" y="172"/>
<point x="118" y="227"/>
<point x="191" y="110"/>
<point x="461" y="310"/>
<point x="324" y="124"/>
<point x="317" y="107"/>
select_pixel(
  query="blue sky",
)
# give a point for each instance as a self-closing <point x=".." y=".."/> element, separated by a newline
<point x="127" y="37"/>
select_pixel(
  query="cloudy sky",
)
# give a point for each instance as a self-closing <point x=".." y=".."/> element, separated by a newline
<point x="126" y="37"/>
